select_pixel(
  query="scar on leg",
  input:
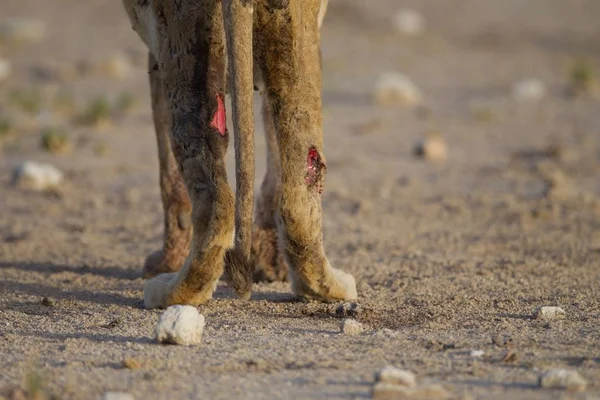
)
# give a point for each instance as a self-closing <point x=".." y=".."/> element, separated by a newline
<point x="219" y="122"/>
<point x="315" y="170"/>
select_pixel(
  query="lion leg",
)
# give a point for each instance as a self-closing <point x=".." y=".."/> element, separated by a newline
<point x="176" y="202"/>
<point x="268" y="261"/>
<point x="289" y="58"/>
<point x="192" y="66"/>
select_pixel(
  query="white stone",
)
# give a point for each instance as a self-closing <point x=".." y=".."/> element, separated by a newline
<point x="36" y="176"/>
<point x="396" y="88"/>
<point x="549" y="312"/>
<point x="22" y="30"/>
<point x="529" y="89"/>
<point x="180" y="325"/>
<point x="118" y="66"/>
<point x="352" y="327"/>
<point x="433" y="147"/>
<point x="117" y="396"/>
<point x="396" y="376"/>
<point x="477" y="353"/>
<point x="5" y="69"/>
<point x="409" y="22"/>
<point x="562" y="379"/>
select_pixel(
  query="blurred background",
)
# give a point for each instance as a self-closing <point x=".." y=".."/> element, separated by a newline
<point x="462" y="146"/>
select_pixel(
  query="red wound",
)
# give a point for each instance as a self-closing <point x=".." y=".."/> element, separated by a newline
<point x="219" y="121"/>
<point x="315" y="169"/>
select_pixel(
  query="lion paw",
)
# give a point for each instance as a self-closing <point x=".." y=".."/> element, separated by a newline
<point x="341" y="287"/>
<point x="348" y="283"/>
<point x="157" y="289"/>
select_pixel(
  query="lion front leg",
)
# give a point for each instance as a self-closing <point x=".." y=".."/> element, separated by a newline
<point x="288" y="49"/>
<point x="191" y="59"/>
<point x="269" y="264"/>
<point x="176" y="202"/>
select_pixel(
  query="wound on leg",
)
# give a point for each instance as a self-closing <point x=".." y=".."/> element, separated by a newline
<point x="315" y="170"/>
<point x="219" y="121"/>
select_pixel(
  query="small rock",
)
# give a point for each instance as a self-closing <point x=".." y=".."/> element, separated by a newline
<point x="396" y="88"/>
<point x="22" y="30"/>
<point x="113" y="323"/>
<point x="396" y="376"/>
<point x="117" y="396"/>
<point x="511" y="356"/>
<point x="132" y="196"/>
<point x="36" y="176"/>
<point x="348" y="310"/>
<point x="529" y="89"/>
<point x="562" y="379"/>
<point x="436" y="345"/>
<point x="549" y="312"/>
<point x="180" y="325"/>
<point x="433" y="148"/>
<point x="409" y="22"/>
<point x="477" y="353"/>
<point x="131" y="363"/>
<point x="498" y="340"/>
<point x="46" y="302"/>
<point x="352" y="327"/>
<point x="5" y="69"/>
<point x="117" y="66"/>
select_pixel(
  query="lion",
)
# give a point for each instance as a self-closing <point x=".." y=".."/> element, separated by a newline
<point x="197" y="49"/>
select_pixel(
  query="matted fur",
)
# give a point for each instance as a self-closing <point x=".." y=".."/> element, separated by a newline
<point x="188" y="39"/>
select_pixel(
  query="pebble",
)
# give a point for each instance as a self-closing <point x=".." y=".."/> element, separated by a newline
<point x="477" y="353"/>
<point x="433" y="147"/>
<point x="180" y="325"/>
<point x="348" y="309"/>
<point x="117" y="66"/>
<point x="396" y="88"/>
<point x="37" y="176"/>
<point x="117" y="396"/>
<point x="409" y="22"/>
<point x="131" y="363"/>
<point x="5" y="69"/>
<point x="529" y="89"/>
<point x="562" y="379"/>
<point x="22" y="30"/>
<point x="549" y="312"/>
<point x="352" y="327"/>
<point x="396" y="376"/>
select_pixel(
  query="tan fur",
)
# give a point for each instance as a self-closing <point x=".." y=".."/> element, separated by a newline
<point x="175" y="199"/>
<point x="187" y="38"/>
<point x="267" y="259"/>
<point x="239" y="17"/>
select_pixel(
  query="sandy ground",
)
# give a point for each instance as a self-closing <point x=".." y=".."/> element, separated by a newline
<point x="447" y="255"/>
